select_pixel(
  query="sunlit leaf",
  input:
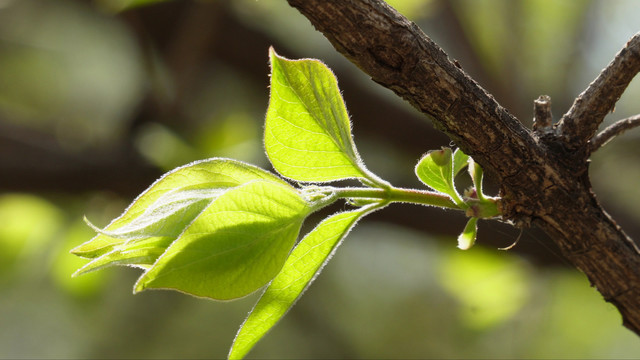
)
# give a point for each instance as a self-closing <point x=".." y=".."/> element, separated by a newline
<point x="460" y="161"/>
<point x="435" y="170"/>
<point x="172" y="202"/>
<point x="468" y="236"/>
<point x="476" y="173"/>
<point x="169" y="215"/>
<point x="237" y="245"/>
<point x="303" y="265"/>
<point x="307" y="130"/>
<point x="142" y="253"/>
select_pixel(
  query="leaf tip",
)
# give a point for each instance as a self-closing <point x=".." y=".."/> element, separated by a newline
<point x="84" y="251"/>
<point x="140" y="285"/>
<point x="95" y="228"/>
<point x="273" y="55"/>
<point x="468" y="236"/>
<point x="77" y="273"/>
<point x="465" y="243"/>
<point x="87" y="268"/>
<point x="76" y="250"/>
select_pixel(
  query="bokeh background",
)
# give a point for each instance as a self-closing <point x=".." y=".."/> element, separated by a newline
<point x="99" y="98"/>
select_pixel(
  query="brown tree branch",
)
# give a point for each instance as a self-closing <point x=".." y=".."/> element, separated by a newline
<point x="541" y="183"/>
<point x="586" y="114"/>
<point x="542" y="117"/>
<point x="613" y="130"/>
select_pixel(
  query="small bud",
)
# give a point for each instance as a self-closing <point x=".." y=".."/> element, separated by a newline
<point x="441" y="157"/>
<point x="468" y="236"/>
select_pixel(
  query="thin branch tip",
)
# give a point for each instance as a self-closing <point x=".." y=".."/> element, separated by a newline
<point x="589" y="109"/>
<point x="614" y="130"/>
<point x="542" y="117"/>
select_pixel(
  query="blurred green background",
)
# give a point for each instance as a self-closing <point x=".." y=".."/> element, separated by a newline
<point x="99" y="98"/>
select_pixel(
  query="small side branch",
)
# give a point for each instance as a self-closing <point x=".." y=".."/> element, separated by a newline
<point x="542" y="117"/>
<point x="586" y="114"/>
<point x="613" y="130"/>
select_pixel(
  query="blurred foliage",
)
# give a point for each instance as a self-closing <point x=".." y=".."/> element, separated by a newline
<point x="91" y="79"/>
<point x="494" y="26"/>
<point x="58" y="75"/>
<point x="490" y="288"/>
<point x="28" y="224"/>
<point x="120" y="5"/>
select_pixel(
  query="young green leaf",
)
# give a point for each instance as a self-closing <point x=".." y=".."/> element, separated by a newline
<point x="435" y="170"/>
<point x="141" y="253"/>
<point x="468" y="236"/>
<point x="303" y="265"/>
<point x="307" y="130"/>
<point x="171" y="209"/>
<point x="235" y="246"/>
<point x="172" y="202"/>
<point x="476" y="173"/>
<point x="460" y="161"/>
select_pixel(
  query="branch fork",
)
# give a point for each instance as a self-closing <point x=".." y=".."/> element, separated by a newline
<point x="580" y="123"/>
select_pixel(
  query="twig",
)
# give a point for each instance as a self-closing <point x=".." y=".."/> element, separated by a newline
<point x="514" y="243"/>
<point x="581" y="122"/>
<point x="613" y="130"/>
<point x="542" y="117"/>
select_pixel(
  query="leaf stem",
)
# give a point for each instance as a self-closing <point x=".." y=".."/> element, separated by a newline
<point x="372" y="179"/>
<point x="394" y="194"/>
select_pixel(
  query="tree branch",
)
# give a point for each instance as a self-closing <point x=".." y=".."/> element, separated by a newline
<point x="403" y="59"/>
<point x="542" y="117"/>
<point x="541" y="183"/>
<point x="613" y="130"/>
<point x="586" y="114"/>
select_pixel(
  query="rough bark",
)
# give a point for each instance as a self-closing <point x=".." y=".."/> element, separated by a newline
<point x="543" y="174"/>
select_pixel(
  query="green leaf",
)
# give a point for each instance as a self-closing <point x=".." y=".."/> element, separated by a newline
<point x="237" y="245"/>
<point x="172" y="202"/>
<point x="303" y="265"/>
<point x="468" y="236"/>
<point x="435" y="170"/>
<point x="476" y="173"/>
<point x="460" y="161"/>
<point x="168" y="215"/>
<point x="141" y="254"/>
<point x="307" y="131"/>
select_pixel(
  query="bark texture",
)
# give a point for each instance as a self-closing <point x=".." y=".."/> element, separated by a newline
<point x="543" y="174"/>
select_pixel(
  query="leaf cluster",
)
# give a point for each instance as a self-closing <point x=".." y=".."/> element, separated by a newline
<point x="223" y="229"/>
